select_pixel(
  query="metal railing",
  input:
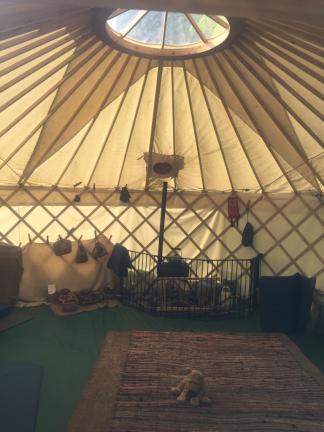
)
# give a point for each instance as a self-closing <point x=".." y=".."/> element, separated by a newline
<point x="225" y="287"/>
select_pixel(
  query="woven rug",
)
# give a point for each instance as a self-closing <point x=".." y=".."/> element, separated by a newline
<point x="257" y="382"/>
<point x="107" y="304"/>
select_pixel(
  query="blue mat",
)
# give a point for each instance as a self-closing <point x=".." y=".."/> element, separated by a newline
<point x="20" y="386"/>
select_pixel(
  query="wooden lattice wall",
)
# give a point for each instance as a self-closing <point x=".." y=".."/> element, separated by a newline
<point x="288" y="229"/>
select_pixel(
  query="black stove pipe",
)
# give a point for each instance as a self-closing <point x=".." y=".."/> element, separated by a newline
<point x="162" y="220"/>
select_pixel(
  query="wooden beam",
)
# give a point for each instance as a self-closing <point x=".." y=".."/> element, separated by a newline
<point x="230" y="118"/>
<point x="219" y="21"/>
<point x="265" y="50"/>
<point x="196" y="27"/>
<point x="115" y="117"/>
<point x="134" y="122"/>
<point x="193" y="121"/>
<point x="134" y="23"/>
<point x="302" y="10"/>
<point x="28" y="170"/>
<point x="53" y="88"/>
<point x="164" y="28"/>
<point x="219" y="63"/>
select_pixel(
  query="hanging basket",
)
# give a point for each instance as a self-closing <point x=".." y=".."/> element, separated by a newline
<point x="62" y="246"/>
<point x="81" y="255"/>
<point x="99" y="249"/>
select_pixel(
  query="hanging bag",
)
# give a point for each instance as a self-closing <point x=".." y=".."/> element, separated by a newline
<point x="81" y="255"/>
<point x="124" y="195"/>
<point x="62" y="246"/>
<point x="248" y="231"/>
<point x="247" y="235"/>
<point x="99" y="249"/>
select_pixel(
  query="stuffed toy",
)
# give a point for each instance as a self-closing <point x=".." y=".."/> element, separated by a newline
<point x="191" y="388"/>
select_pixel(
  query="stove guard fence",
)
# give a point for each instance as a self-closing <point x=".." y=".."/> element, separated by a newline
<point x="184" y="286"/>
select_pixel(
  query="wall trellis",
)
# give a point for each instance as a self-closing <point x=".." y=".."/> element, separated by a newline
<point x="288" y="230"/>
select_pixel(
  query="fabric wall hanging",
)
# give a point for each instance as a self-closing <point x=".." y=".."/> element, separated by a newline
<point x="233" y="210"/>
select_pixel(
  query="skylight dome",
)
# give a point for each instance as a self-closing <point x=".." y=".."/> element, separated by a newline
<point x="166" y="33"/>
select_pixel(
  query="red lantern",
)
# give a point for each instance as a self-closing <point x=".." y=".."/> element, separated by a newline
<point x="233" y="210"/>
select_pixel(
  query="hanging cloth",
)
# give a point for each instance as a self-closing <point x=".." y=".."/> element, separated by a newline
<point x="248" y="231"/>
<point x="120" y="261"/>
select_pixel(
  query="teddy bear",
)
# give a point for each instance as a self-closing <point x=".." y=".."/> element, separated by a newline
<point x="191" y="388"/>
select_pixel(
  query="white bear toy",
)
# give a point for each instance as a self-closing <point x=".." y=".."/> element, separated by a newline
<point x="191" y="388"/>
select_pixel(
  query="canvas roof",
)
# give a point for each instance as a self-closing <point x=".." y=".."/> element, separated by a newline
<point x="74" y="110"/>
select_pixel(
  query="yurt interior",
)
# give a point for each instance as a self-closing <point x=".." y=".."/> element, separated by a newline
<point x="161" y="215"/>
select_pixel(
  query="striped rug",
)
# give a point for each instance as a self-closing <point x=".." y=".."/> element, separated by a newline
<point x="257" y="382"/>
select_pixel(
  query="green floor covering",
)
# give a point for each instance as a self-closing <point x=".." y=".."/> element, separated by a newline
<point x="67" y="347"/>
